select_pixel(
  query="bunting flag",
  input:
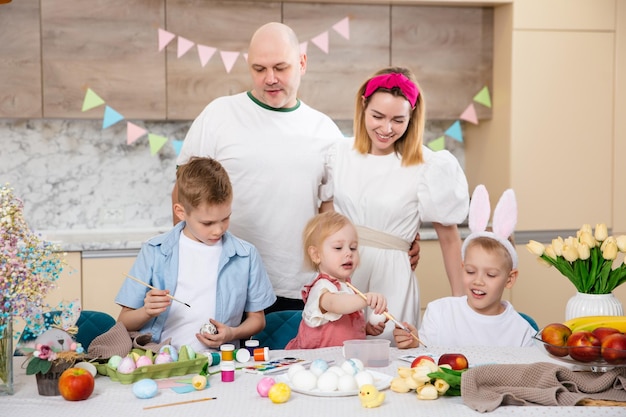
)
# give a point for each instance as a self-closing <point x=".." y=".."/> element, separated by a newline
<point x="110" y="117"/>
<point x="133" y="132"/>
<point x="205" y="53"/>
<point x="469" y="115"/>
<point x="483" y="97"/>
<point x="455" y="132"/>
<point x="177" y="145"/>
<point x="156" y="143"/>
<point x="321" y="41"/>
<point x="343" y="27"/>
<point x="92" y="100"/>
<point x="438" y="144"/>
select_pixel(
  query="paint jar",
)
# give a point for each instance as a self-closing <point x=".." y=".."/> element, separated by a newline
<point x="214" y="358"/>
<point x="242" y="355"/>
<point x="227" y="352"/>
<point x="251" y="344"/>
<point x="227" y="371"/>
<point x="262" y="354"/>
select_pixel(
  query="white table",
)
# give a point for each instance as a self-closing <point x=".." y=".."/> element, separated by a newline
<point x="239" y="398"/>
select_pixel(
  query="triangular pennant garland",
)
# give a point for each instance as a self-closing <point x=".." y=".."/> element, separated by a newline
<point x="469" y="114"/>
<point x="303" y="47"/>
<point x="454" y="131"/>
<point x="156" y="143"/>
<point x="110" y="117"/>
<point x="184" y="45"/>
<point x="438" y="144"/>
<point x="229" y="58"/>
<point x="343" y="27"/>
<point x="165" y="38"/>
<point x="483" y="97"/>
<point x="321" y="41"/>
<point x="177" y="145"/>
<point x="91" y="100"/>
<point x="205" y="53"/>
<point x="133" y="132"/>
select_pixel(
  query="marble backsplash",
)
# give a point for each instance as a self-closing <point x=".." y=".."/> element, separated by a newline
<point x="75" y="176"/>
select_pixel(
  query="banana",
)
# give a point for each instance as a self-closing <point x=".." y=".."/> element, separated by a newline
<point x="585" y="320"/>
<point x="616" y="322"/>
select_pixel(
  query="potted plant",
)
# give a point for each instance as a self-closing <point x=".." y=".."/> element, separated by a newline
<point x="590" y="261"/>
<point x="29" y="269"/>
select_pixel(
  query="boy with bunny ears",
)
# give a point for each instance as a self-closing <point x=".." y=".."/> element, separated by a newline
<point x="489" y="263"/>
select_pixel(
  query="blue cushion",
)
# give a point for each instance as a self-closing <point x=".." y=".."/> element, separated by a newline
<point x="280" y="328"/>
<point x="92" y="324"/>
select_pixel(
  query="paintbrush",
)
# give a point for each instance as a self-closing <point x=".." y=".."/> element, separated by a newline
<point x="179" y="403"/>
<point x="388" y="315"/>
<point x="150" y="286"/>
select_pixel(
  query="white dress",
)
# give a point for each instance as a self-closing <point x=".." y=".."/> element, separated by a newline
<point x="379" y="193"/>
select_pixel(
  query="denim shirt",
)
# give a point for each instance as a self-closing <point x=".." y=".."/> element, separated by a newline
<point x="242" y="282"/>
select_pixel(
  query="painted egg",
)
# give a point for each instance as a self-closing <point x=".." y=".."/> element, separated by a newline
<point x="143" y="361"/>
<point x="377" y="318"/>
<point x="328" y="381"/>
<point x="171" y="350"/>
<point x="347" y="383"/>
<point x="163" y="357"/>
<point x="145" y="388"/>
<point x="127" y="365"/>
<point x="114" y="361"/>
<point x="279" y="393"/>
<point x="264" y="385"/>
<point x="363" y="378"/>
<point x="88" y="366"/>
<point x="350" y="366"/>
<point x="304" y="380"/>
<point x="318" y="367"/>
<point x="293" y="369"/>
<point x="337" y="369"/>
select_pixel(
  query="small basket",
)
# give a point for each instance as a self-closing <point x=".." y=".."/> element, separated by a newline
<point x="48" y="383"/>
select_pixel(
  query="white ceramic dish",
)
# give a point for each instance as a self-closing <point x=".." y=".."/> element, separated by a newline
<point x="381" y="382"/>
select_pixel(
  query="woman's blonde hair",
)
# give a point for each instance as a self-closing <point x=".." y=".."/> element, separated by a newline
<point x="318" y="229"/>
<point x="409" y="146"/>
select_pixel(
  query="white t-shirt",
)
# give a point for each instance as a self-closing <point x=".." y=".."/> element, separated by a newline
<point x="275" y="160"/>
<point x="451" y="322"/>
<point x="195" y="259"/>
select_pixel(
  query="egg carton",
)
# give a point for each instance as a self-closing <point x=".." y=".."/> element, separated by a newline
<point x="183" y="366"/>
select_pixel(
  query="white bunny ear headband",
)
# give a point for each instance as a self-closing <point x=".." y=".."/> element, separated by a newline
<point x="504" y="220"/>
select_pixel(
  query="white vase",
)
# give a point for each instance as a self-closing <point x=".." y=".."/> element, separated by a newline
<point x="581" y="305"/>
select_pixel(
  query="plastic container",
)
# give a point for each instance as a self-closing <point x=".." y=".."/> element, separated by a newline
<point x="373" y="353"/>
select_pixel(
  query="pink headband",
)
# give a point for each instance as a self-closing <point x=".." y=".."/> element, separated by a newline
<point x="394" y="79"/>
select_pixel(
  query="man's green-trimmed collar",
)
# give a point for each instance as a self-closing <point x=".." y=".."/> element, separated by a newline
<point x="265" y="106"/>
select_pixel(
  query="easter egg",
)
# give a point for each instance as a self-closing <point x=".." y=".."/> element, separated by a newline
<point x="376" y="318"/>
<point x="264" y="385"/>
<point x="127" y="365"/>
<point x="337" y="369"/>
<point x="145" y="388"/>
<point x="328" y="381"/>
<point x="279" y="393"/>
<point x="143" y="361"/>
<point x="171" y="350"/>
<point x="114" y="361"/>
<point x="318" y="367"/>
<point x="351" y="366"/>
<point x="363" y="378"/>
<point x="304" y="380"/>
<point x="88" y="366"/>
<point x="347" y="383"/>
<point x="293" y="369"/>
<point x="199" y="382"/>
<point x="163" y="357"/>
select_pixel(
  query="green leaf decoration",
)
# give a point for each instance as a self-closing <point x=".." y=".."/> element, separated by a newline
<point x="37" y="365"/>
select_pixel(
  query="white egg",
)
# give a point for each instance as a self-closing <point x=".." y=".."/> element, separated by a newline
<point x="377" y="318"/>
<point x="358" y="363"/>
<point x="352" y="366"/>
<point x="347" y="383"/>
<point x="304" y="380"/>
<point x="88" y="366"/>
<point x="328" y="381"/>
<point x="296" y="367"/>
<point x="363" y="377"/>
<point x="318" y="367"/>
<point x="336" y="369"/>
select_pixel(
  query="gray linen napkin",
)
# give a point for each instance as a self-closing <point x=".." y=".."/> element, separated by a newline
<point x="485" y="388"/>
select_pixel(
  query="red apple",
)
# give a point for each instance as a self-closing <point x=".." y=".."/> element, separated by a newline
<point x="584" y="346"/>
<point x="602" y="332"/>
<point x="614" y="348"/>
<point x="420" y="358"/>
<point x="456" y="361"/>
<point x="76" y="384"/>
<point x="555" y="336"/>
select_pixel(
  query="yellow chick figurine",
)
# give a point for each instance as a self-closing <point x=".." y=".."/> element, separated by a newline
<point x="370" y="397"/>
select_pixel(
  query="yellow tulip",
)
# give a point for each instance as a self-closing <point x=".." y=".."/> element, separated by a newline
<point x="544" y="262"/>
<point x="601" y="232"/>
<point x="535" y="247"/>
<point x="588" y="239"/>
<point x="621" y="243"/>
<point x="427" y="392"/>
<point x="583" y="251"/>
<point x="585" y="229"/>
<point x="609" y="251"/>
<point x="609" y="240"/>
<point x="550" y="252"/>
<point x="557" y="245"/>
<point x="570" y="252"/>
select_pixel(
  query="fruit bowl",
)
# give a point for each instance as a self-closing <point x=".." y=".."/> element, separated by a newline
<point x="599" y="363"/>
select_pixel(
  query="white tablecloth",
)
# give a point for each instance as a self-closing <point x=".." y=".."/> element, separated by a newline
<point x="239" y="398"/>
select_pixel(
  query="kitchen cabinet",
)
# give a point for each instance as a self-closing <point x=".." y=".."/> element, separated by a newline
<point x="102" y="279"/>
